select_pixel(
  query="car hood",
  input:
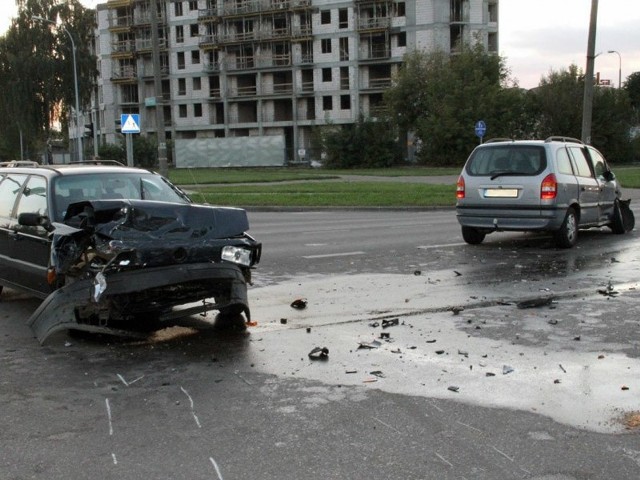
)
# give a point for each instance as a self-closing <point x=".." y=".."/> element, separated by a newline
<point x="121" y="219"/>
<point x="142" y="233"/>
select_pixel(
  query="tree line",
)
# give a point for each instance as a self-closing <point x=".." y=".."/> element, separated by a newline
<point x="36" y="74"/>
<point x="438" y="98"/>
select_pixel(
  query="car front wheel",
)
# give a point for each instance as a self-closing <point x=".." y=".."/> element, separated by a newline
<point x="472" y="236"/>
<point x="567" y="235"/>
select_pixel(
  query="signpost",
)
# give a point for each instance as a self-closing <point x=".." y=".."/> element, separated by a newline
<point x="481" y="129"/>
<point x="130" y="124"/>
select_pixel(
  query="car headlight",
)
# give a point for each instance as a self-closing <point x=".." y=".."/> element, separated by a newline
<point x="238" y="255"/>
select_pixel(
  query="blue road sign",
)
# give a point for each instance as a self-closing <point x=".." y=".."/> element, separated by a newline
<point x="481" y="128"/>
<point x="130" y="123"/>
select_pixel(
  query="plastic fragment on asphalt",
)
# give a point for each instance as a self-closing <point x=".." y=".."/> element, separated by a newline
<point x="390" y="323"/>
<point x="608" y="291"/>
<point x="299" y="304"/>
<point x="506" y="369"/>
<point x="370" y="345"/>
<point x="319" y="353"/>
<point x="453" y="388"/>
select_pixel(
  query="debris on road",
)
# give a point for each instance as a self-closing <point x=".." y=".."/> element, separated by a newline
<point x="535" y="302"/>
<point x="299" y="303"/>
<point x="456" y="310"/>
<point x="453" y="388"/>
<point x="319" y="353"/>
<point x="608" y="291"/>
<point x="390" y="323"/>
<point x="506" y="369"/>
<point x="370" y="345"/>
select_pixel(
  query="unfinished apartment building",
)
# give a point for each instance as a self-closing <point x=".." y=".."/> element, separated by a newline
<point x="245" y="82"/>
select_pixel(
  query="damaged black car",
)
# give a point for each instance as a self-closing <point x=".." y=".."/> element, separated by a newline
<point x="117" y="249"/>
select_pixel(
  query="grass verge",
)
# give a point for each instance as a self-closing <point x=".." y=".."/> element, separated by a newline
<point x="330" y="194"/>
<point x="200" y="176"/>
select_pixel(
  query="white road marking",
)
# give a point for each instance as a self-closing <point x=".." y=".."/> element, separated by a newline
<point x="193" y="413"/>
<point x="215" y="465"/>
<point x="328" y="255"/>
<point x="444" y="245"/>
<point x="106" y="401"/>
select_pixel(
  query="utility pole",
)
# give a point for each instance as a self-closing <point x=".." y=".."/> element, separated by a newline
<point x="587" y="105"/>
<point x="157" y="87"/>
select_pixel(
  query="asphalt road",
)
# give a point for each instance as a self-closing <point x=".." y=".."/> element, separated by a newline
<point x="492" y="392"/>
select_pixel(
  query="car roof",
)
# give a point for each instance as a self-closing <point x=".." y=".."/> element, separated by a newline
<point x="94" y="166"/>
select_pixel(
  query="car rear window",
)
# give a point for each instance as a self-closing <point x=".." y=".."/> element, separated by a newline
<point x="509" y="159"/>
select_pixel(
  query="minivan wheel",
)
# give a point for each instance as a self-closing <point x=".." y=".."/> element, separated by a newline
<point x="472" y="236"/>
<point x="617" y="222"/>
<point x="567" y="235"/>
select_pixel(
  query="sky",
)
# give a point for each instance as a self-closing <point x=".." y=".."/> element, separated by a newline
<point x="538" y="36"/>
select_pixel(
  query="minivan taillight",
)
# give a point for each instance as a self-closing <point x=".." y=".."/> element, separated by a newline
<point x="549" y="187"/>
<point x="460" y="188"/>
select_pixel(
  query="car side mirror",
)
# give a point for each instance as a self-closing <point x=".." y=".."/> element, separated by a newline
<point x="609" y="176"/>
<point x="35" y="220"/>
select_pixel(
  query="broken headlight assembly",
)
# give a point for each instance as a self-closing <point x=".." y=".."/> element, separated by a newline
<point x="238" y="255"/>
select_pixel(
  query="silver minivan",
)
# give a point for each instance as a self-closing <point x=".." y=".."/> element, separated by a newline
<point x="558" y="185"/>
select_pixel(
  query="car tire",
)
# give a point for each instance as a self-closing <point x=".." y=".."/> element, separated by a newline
<point x="617" y="222"/>
<point x="567" y="235"/>
<point x="472" y="236"/>
<point x="230" y="320"/>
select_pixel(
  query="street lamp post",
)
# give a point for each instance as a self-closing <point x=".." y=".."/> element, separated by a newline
<point x="75" y="83"/>
<point x="619" y="67"/>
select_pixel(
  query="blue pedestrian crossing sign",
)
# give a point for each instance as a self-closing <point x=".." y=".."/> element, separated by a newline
<point x="130" y="123"/>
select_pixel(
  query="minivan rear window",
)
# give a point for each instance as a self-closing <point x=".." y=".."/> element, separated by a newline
<point x="507" y="159"/>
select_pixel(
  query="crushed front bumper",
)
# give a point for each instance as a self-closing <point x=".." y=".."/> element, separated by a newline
<point x="153" y="290"/>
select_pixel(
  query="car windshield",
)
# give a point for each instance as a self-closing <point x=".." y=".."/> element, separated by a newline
<point x="103" y="186"/>
<point x="507" y="160"/>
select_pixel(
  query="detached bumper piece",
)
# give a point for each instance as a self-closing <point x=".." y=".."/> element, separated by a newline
<point x="113" y="303"/>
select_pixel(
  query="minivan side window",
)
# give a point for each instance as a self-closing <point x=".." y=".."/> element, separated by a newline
<point x="34" y="197"/>
<point x="564" y="162"/>
<point x="582" y="164"/>
<point x="599" y="165"/>
<point x="9" y="189"/>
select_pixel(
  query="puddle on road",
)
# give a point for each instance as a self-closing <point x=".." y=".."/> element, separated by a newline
<point x="441" y="355"/>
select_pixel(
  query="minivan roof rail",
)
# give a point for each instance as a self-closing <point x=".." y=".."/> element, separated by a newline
<point x="97" y="162"/>
<point x="563" y="139"/>
<point x="491" y="140"/>
<point x="19" y="163"/>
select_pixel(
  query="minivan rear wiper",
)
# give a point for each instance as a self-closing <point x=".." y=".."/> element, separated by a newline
<point x="503" y="173"/>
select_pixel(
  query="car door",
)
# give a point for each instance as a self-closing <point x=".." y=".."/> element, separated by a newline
<point x="10" y="186"/>
<point x="31" y="245"/>
<point x="589" y="187"/>
<point x="608" y="185"/>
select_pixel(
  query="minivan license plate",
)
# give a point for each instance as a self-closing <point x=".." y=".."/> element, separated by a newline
<point x="501" y="193"/>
